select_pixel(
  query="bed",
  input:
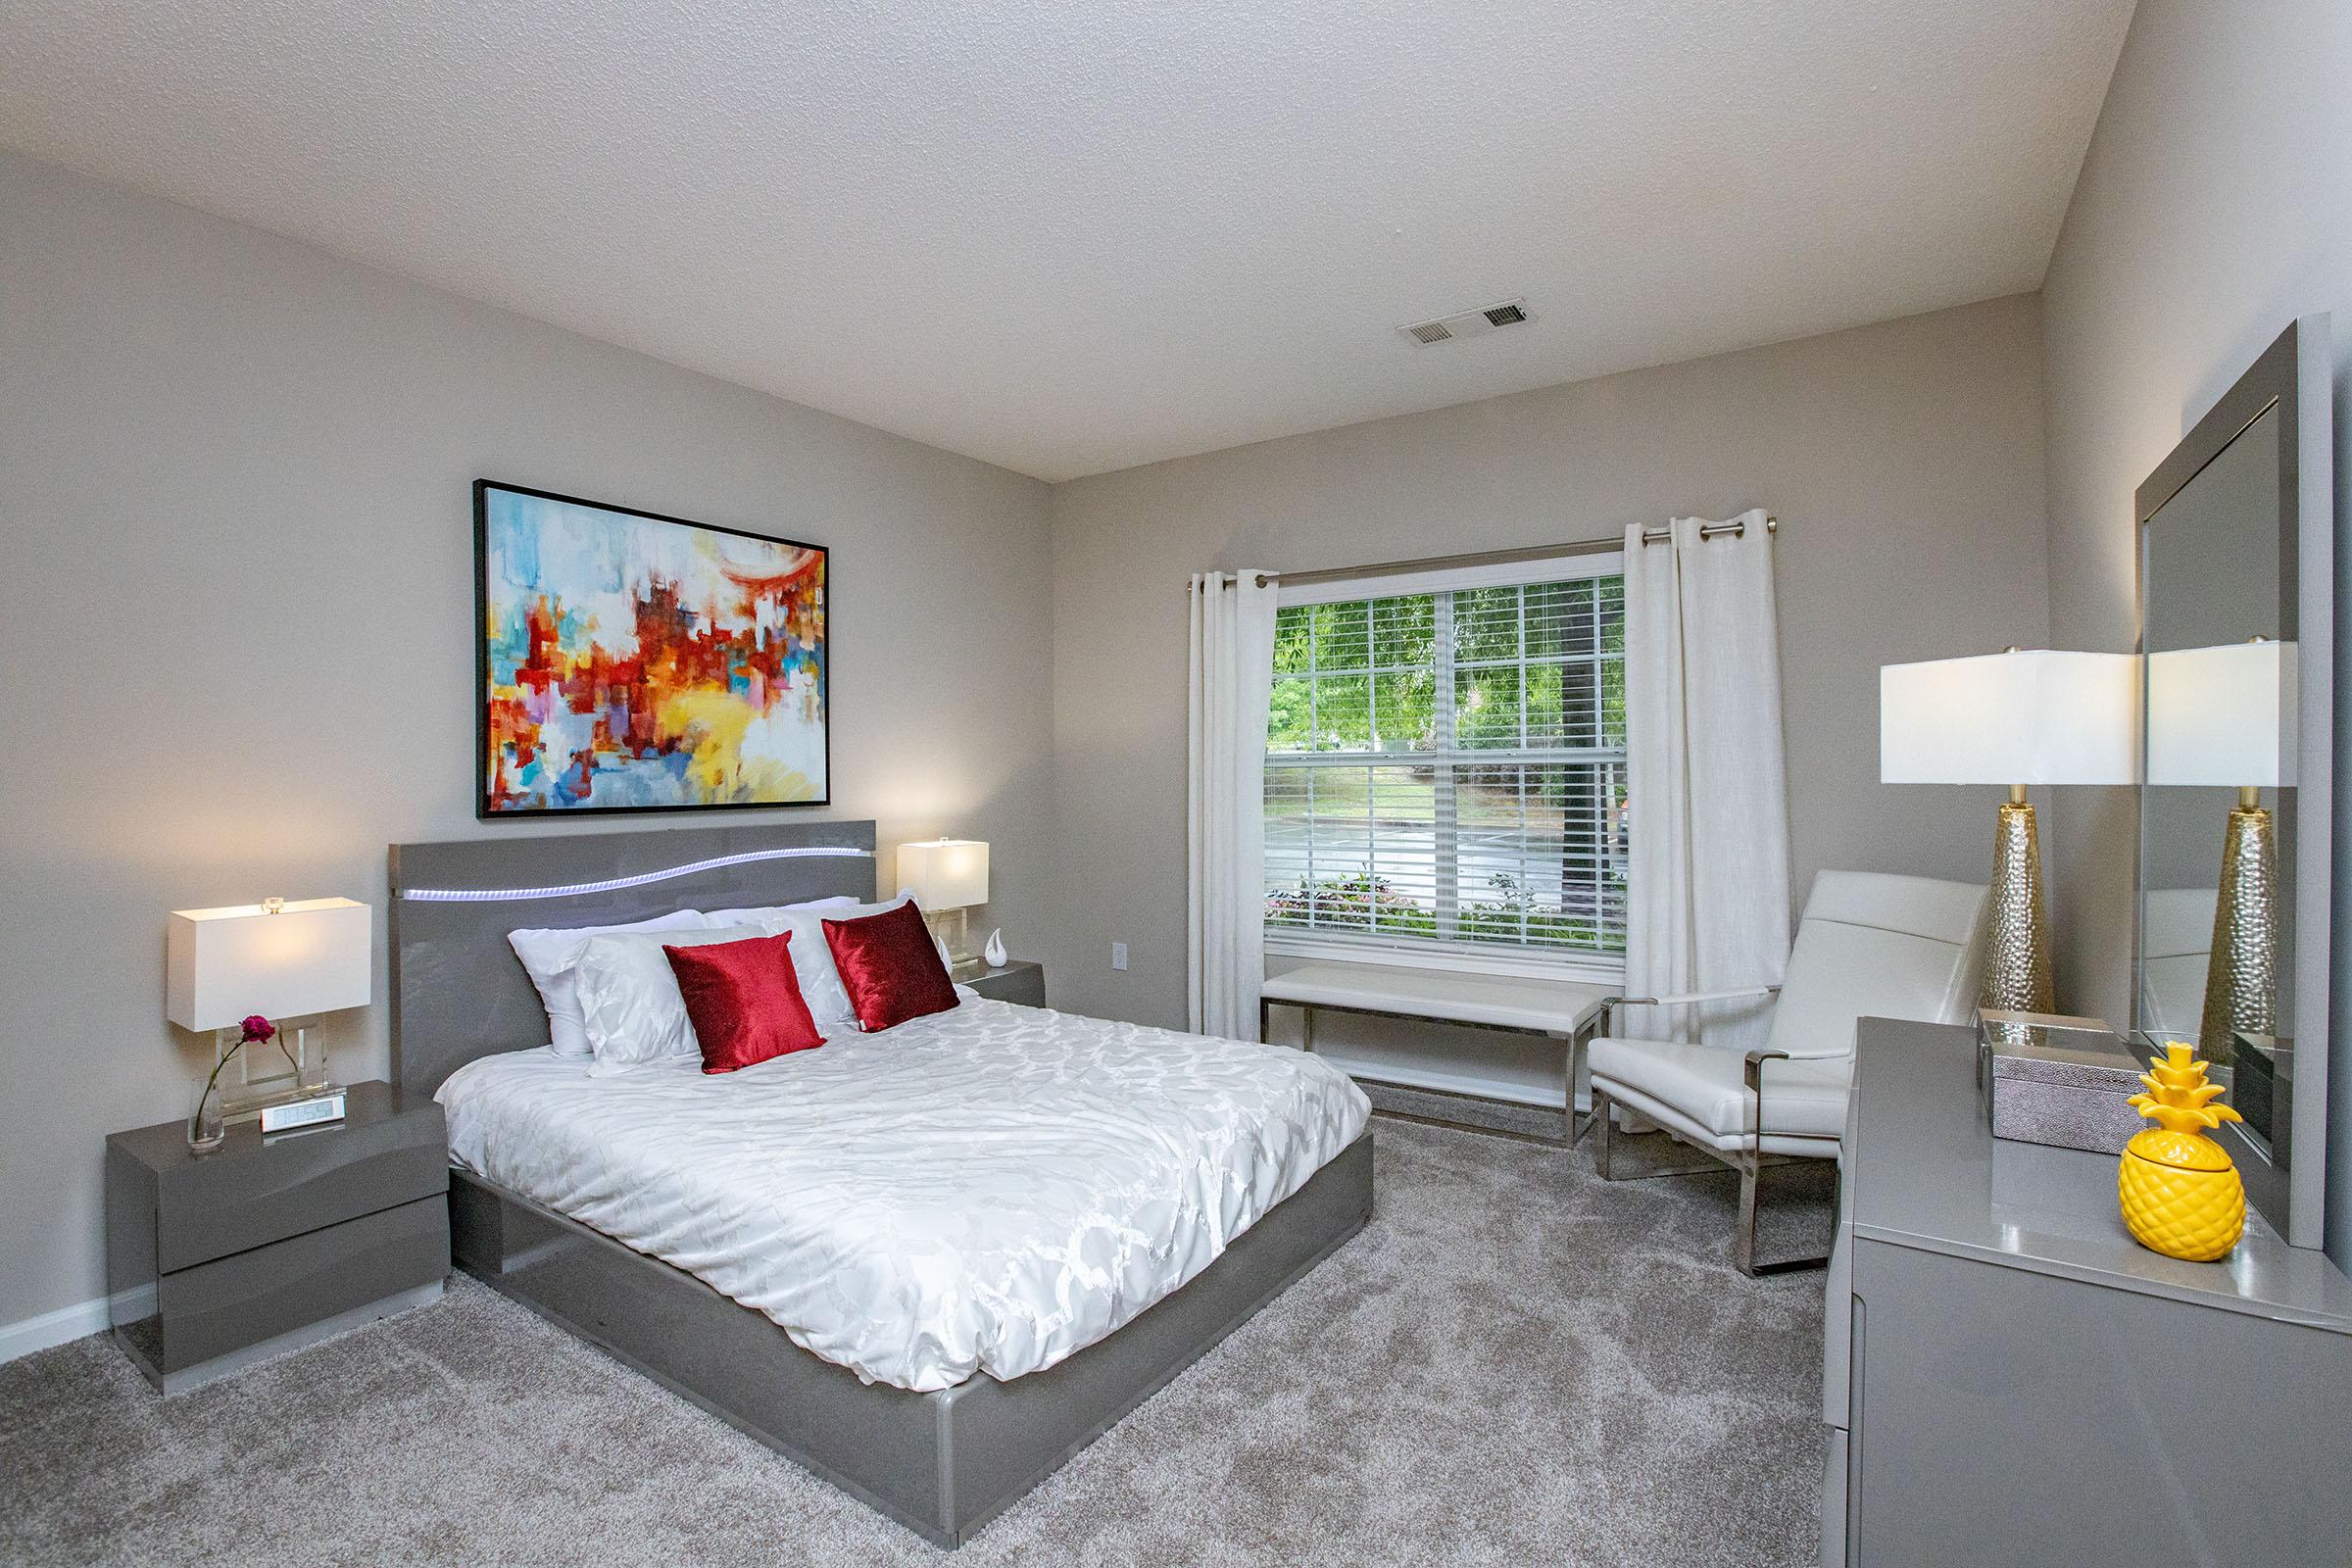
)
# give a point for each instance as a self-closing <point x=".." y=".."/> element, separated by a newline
<point x="929" y="1264"/>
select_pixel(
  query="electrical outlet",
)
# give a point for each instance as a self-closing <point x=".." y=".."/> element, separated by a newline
<point x="1118" y="954"/>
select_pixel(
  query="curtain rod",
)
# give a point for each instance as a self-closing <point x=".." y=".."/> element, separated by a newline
<point x="1500" y="557"/>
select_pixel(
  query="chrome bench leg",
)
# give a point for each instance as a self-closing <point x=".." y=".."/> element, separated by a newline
<point x="1266" y="1024"/>
<point x="1580" y="1122"/>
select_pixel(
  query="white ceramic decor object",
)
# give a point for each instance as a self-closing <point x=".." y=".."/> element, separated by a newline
<point x="994" y="952"/>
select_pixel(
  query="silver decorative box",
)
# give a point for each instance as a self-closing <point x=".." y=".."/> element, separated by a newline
<point x="2059" y="1083"/>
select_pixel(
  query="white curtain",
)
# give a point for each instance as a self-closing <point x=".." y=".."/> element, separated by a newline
<point x="1225" y="891"/>
<point x="1706" y="791"/>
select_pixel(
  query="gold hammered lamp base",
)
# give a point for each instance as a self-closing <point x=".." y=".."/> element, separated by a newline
<point x="2241" y="976"/>
<point x="2017" y="958"/>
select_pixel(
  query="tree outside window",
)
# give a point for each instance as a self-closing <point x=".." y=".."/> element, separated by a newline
<point x="1450" y="769"/>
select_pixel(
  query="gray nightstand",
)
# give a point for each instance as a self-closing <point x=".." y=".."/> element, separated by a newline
<point x="1017" y="981"/>
<point x="217" y="1261"/>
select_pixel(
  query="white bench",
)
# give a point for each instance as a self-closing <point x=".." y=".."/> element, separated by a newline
<point x="1560" y="1010"/>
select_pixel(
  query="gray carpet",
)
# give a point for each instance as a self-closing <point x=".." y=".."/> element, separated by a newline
<point x="1513" y="1364"/>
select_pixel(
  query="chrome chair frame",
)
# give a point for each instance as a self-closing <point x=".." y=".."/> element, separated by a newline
<point x="1749" y="1162"/>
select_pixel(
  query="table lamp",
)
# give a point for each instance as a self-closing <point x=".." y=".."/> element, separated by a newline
<point x="945" y="874"/>
<point x="276" y="959"/>
<point x="2018" y="717"/>
<point x="2226" y="715"/>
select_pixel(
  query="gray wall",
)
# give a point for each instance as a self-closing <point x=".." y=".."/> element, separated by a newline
<point x="1904" y="460"/>
<point x="236" y="615"/>
<point x="2212" y="210"/>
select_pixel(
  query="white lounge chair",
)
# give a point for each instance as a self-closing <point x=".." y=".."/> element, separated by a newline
<point x="1870" y="945"/>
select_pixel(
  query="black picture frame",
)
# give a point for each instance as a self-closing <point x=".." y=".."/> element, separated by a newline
<point x="483" y="808"/>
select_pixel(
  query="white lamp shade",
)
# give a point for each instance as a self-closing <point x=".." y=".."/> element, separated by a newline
<point x="2030" y="718"/>
<point x="308" y="957"/>
<point x="945" y="873"/>
<point x="2223" y="716"/>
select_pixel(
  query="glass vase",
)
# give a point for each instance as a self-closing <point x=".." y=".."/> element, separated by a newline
<point x="205" y="1130"/>
<point x="310" y="1057"/>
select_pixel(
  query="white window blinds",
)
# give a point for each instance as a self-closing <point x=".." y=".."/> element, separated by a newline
<point x="1447" y="768"/>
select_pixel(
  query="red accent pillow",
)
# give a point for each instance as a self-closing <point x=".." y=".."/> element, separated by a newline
<point x="743" y="1001"/>
<point x="889" y="967"/>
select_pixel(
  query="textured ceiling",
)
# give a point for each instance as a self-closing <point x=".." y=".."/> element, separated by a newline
<point x="1070" y="237"/>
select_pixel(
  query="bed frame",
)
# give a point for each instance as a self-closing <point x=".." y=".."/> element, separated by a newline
<point x="942" y="1463"/>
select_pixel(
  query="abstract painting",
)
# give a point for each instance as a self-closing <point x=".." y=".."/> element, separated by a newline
<point x="630" y="662"/>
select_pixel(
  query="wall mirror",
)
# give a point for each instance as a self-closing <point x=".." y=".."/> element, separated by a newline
<point x="2236" y="549"/>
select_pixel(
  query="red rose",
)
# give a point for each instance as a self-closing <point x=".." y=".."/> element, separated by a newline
<point x="257" y="1029"/>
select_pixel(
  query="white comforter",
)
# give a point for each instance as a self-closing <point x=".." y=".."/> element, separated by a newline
<point x="989" y="1189"/>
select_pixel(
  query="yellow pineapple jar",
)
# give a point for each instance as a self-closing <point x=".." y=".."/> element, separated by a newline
<point x="2182" y="1197"/>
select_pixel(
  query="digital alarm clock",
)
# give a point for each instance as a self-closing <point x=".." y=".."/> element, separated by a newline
<point x="316" y="1112"/>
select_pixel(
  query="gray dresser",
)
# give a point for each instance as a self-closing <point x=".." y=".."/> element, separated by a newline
<point x="2009" y="1377"/>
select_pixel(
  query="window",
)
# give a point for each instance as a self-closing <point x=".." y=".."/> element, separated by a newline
<point x="1446" y="769"/>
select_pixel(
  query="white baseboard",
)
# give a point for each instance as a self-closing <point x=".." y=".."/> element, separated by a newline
<point x="70" y="1323"/>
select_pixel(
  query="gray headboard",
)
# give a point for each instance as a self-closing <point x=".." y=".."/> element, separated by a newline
<point x="458" y="989"/>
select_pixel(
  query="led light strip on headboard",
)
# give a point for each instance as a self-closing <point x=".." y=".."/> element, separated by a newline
<point x="574" y="890"/>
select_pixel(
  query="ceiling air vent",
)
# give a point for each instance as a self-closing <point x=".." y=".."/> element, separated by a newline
<point x="1467" y="323"/>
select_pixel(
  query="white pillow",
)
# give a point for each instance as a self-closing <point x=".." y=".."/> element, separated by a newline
<point x="630" y="997"/>
<point x="813" y="955"/>
<point x="551" y="958"/>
